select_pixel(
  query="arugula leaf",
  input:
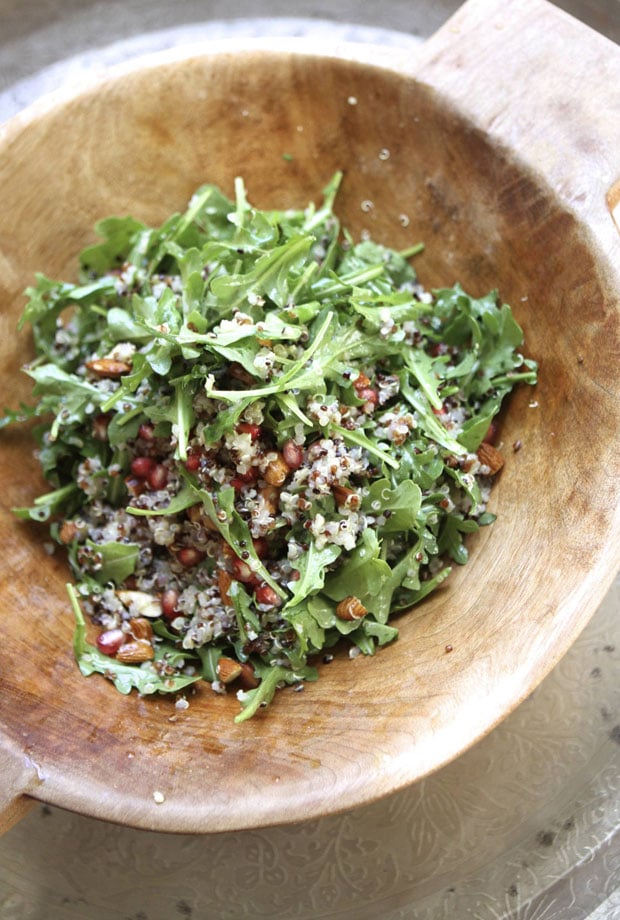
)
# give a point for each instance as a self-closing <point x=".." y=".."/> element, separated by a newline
<point x="320" y="347"/>
<point x="125" y="677"/>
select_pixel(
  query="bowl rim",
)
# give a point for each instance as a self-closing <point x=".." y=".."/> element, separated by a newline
<point x="600" y="576"/>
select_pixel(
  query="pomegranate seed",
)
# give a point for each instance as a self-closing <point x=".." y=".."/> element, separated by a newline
<point x="368" y="395"/>
<point x="254" y="431"/>
<point x="146" y="431"/>
<point x="142" y="466"/>
<point x="193" y="461"/>
<point x="361" y="382"/>
<point x="110" y="641"/>
<point x="439" y="412"/>
<point x="169" y="601"/>
<point x="265" y="594"/>
<point x="293" y="455"/>
<point x="158" y="477"/>
<point x="189" y="556"/>
<point x="237" y="484"/>
<point x="250" y="476"/>
<point x="242" y="572"/>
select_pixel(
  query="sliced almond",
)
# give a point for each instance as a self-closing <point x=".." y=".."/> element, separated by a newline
<point x="228" y="670"/>
<point x="276" y="471"/>
<point x="141" y="604"/>
<point x="135" y="652"/>
<point x="224" y="581"/>
<point x="351" y="608"/>
<point x="141" y="628"/>
<point x="490" y="457"/>
<point x="108" y="367"/>
<point x="67" y="532"/>
<point x="247" y="677"/>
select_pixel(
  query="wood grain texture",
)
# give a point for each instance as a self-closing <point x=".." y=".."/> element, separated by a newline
<point x="503" y="173"/>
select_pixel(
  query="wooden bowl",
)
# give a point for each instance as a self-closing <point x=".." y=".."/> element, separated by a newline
<point x="503" y="138"/>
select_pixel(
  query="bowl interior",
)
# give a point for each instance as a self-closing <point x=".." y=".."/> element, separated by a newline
<point x="140" y="144"/>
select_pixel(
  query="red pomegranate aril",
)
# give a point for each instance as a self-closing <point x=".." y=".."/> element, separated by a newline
<point x="146" y="431"/>
<point x="293" y="455"/>
<point x="110" y="641"/>
<point x="265" y="594"/>
<point x="142" y="466"/>
<point x="250" y="475"/>
<point x="192" y="464"/>
<point x="242" y="572"/>
<point x="169" y="601"/>
<point x="237" y="483"/>
<point x="368" y="395"/>
<point x="248" y="428"/>
<point x="189" y="556"/>
<point x="158" y="477"/>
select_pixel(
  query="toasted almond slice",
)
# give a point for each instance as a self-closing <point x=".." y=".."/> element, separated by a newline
<point x="351" y="608"/>
<point x="224" y="581"/>
<point x="247" y="677"/>
<point x="108" y="367"/>
<point x="141" y="604"/>
<point x="135" y="652"/>
<point x="491" y="457"/>
<point x="141" y="628"/>
<point x="228" y="670"/>
<point x="276" y="471"/>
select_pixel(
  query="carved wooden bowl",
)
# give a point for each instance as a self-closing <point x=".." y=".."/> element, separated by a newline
<point x="503" y="138"/>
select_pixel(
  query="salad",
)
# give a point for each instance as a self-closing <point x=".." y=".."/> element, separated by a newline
<point x="262" y="438"/>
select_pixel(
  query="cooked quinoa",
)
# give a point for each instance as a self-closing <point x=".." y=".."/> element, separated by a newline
<point x="263" y="438"/>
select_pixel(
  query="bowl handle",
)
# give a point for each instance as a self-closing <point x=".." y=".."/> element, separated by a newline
<point x="544" y="86"/>
<point x="19" y="776"/>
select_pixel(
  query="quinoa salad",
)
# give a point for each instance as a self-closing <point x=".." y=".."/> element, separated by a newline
<point x="262" y="437"/>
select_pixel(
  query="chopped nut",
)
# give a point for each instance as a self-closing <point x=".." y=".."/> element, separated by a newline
<point x="108" y="367"/>
<point x="351" y="608"/>
<point x="141" y="628"/>
<point x="140" y="603"/>
<point x="67" y="532"/>
<point x="228" y="670"/>
<point x="247" y="677"/>
<point x="276" y="471"/>
<point x="224" y="581"/>
<point x="490" y="456"/>
<point x="135" y="652"/>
